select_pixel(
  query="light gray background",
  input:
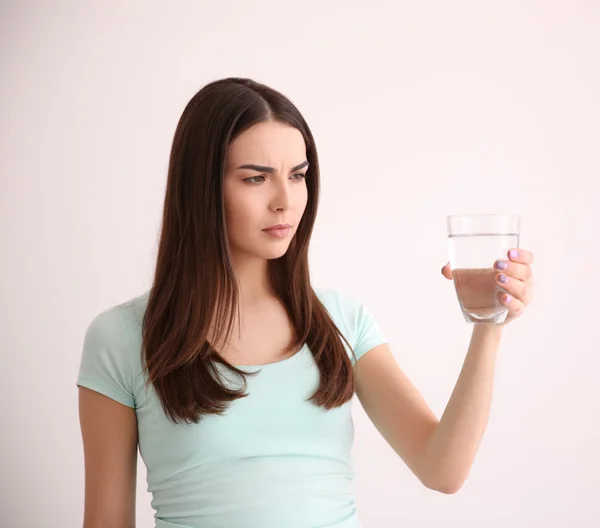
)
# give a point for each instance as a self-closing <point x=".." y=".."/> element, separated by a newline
<point x="420" y="110"/>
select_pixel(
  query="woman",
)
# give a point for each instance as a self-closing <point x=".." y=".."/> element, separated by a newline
<point x="232" y="374"/>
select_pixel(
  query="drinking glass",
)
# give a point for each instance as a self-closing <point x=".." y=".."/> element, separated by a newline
<point x="475" y="243"/>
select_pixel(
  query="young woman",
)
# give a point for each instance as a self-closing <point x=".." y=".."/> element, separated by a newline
<point x="232" y="374"/>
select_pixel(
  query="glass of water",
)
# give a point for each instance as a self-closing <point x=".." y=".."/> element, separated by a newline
<point x="475" y="243"/>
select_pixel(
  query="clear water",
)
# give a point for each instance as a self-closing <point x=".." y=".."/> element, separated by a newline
<point x="472" y="258"/>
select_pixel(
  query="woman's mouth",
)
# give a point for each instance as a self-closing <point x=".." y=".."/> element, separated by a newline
<point x="278" y="231"/>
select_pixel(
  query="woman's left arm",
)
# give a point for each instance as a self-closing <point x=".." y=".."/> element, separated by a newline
<point x="455" y="441"/>
<point x="441" y="453"/>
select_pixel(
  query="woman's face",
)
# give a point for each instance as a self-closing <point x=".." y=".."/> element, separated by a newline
<point x="264" y="187"/>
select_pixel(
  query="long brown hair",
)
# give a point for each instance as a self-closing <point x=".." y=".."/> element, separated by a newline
<point x="194" y="285"/>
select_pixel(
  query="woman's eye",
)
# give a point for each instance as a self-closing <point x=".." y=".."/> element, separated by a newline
<point x="255" y="179"/>
<point x="299" y="176"/>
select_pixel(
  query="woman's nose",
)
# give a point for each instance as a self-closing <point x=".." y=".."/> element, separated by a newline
<point x="281" y="201"/>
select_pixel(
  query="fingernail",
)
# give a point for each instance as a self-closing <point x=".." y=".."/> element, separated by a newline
<point x="503" y="279"/>
<point x="513" y="253"/>
<point x="501" y="265"/>
<point x="508" y="299"/>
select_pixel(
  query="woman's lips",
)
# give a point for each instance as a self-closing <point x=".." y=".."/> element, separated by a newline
<point x="279" y="231"/>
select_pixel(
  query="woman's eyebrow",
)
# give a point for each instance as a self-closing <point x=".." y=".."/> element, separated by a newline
<point x="262" y="168"/>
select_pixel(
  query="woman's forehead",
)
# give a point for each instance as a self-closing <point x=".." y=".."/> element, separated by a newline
<point x="270" y="143"/>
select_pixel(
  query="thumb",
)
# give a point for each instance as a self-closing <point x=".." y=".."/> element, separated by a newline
<point x="447" y="271"/>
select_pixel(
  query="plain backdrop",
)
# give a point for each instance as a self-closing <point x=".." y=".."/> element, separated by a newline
<point x="420" y="110"/>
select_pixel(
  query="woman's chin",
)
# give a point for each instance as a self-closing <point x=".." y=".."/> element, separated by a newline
<point x="272" y="255"/>
<point x="263" y="253"/>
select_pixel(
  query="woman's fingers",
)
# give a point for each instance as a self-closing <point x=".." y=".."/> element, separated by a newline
<point x="514" y="270"/>
<point x="516" y="307"/>
<point x="447" y="271"/>
<point x="521" y="256"/>
<point x="515" y="287"/>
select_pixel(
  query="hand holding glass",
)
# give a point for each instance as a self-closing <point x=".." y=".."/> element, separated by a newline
<point x="476" y="242"/>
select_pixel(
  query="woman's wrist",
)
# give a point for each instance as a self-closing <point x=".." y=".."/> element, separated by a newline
<point x="486" y="334"/>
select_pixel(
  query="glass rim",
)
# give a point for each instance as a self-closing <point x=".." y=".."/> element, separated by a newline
<point x="489" y="215"/>
<point x="480" y="224"/>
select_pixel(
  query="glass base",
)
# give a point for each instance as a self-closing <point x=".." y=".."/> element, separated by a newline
<point x="497" y="318"/>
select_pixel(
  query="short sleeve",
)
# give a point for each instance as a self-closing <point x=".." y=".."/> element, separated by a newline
<point x="105" y="366"/>
<point x="368" y="333"/>
<point x="361" y="327"/>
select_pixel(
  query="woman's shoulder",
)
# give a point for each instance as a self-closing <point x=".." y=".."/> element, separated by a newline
<point x="116" y="331"/>
<point x="345" y="309"/>
<point x="121" y="320"/>
<point x="338" y="302"/>
<point x="110" y="359"/>
<point x="354" y="319"/>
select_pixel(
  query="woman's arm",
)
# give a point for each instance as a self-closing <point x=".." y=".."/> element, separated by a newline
<point x="455" y="441"/>
<point x="109" y="432"/>
<point x="440" y="453"/>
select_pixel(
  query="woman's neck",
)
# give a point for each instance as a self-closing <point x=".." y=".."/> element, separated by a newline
<point x="252" y="277"/>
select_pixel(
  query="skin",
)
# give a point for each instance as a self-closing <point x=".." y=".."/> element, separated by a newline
<point x="256" y="199"/>
<point x="109" y="433"/>
<point x="439" y="452"/>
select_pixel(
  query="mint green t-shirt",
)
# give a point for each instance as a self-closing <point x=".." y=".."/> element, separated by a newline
<point x="273" y="460"/>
